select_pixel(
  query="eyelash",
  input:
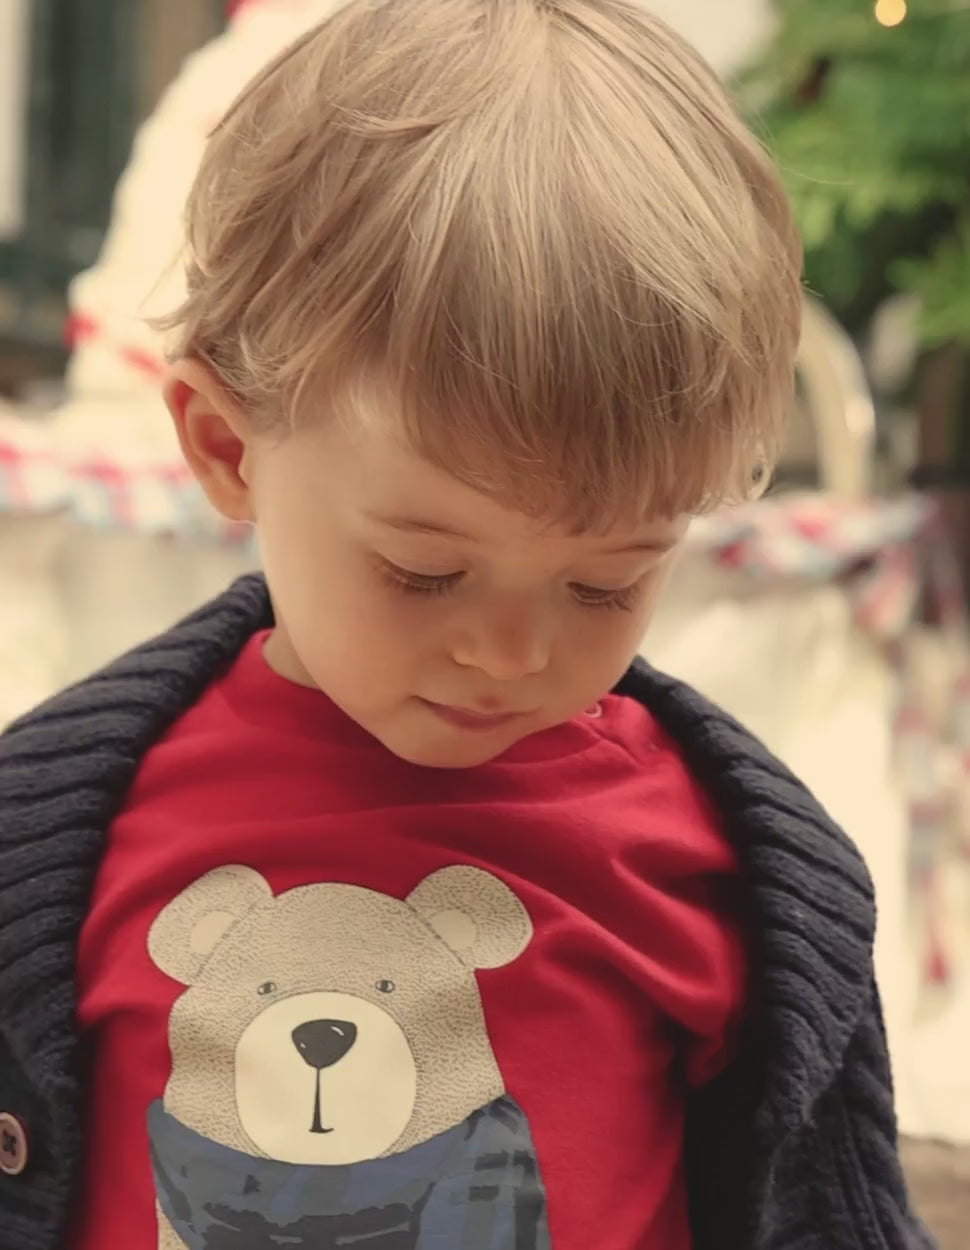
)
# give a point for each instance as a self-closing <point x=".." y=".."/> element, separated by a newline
<point x="586" y="596"/>
<point x="624" y="600"/>
<point x="418" y="583"/>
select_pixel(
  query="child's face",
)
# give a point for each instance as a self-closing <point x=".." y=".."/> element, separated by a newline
<point x="445" y="624"/>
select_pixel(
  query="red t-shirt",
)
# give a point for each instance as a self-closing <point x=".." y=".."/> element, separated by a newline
<point x="333" y="998"/>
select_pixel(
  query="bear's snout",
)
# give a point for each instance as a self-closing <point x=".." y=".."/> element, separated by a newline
<point x="322" y="1043"/>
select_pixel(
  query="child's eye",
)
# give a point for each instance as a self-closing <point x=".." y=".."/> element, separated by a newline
<point x="419" y="583"/>
<point x="623" y="600"/>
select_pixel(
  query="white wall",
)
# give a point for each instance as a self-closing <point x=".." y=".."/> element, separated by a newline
<point x="14" y="20"/>
<point x="725" y="31"/>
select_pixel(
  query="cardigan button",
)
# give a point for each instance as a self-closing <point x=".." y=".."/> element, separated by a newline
<point x="13" y="1145"/>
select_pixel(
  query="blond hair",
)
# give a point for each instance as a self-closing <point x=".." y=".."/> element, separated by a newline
<point x="540" y="223"/>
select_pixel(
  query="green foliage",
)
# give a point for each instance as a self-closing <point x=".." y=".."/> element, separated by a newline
<point x="943" y="281"/>
<point x="871" y="126"/>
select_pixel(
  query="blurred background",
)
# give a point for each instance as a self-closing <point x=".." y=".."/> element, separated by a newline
<point x="831" y="616"/>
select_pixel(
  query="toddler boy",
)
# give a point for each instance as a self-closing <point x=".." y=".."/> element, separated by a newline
<point x="386" y="902"/>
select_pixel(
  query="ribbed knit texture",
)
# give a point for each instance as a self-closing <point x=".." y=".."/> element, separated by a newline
<point x="793" y="1149"/>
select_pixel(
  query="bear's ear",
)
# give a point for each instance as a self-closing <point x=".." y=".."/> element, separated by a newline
<point x="189" y="929"/>
<point x="475" y="914"/>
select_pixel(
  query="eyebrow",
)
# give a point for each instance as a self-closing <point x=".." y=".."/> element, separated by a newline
<point x="418" y="525"/>
<point x="415" y="525"/>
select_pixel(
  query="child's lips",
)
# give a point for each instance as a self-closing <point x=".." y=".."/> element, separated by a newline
<point x="467" y="718"/>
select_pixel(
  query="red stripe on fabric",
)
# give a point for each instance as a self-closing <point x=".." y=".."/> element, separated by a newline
<point x="733" y="554"/>
<point x="12" y="462"/>
<point x="79" y="326"/>
<point x="117" y="482"/>
<point x="143" y="361"/>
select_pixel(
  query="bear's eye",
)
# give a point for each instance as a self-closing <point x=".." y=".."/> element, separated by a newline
<point x="386" y="987"/>
<point x="268" y="987"/>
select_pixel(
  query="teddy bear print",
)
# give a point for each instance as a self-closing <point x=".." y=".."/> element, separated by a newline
<point x="332" y="1079"/>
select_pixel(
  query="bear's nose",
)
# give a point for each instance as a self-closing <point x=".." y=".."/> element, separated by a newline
<point x="322" y="1043"/>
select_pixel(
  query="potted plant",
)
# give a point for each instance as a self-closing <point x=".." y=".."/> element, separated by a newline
<point x="866" y="105"/>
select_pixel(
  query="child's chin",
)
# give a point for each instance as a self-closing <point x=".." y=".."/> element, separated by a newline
<point x="457" y="751"/>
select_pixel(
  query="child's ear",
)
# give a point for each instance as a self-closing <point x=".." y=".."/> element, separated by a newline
<point x="214" y="434"/>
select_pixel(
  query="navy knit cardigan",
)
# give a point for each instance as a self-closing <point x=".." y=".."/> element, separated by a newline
<point x="793" y="1148"/>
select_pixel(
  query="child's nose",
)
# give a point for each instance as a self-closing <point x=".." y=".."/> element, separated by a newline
<point x="507" y="645"/>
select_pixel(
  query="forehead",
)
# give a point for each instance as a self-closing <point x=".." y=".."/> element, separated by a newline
<point x="369" y="461"/>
